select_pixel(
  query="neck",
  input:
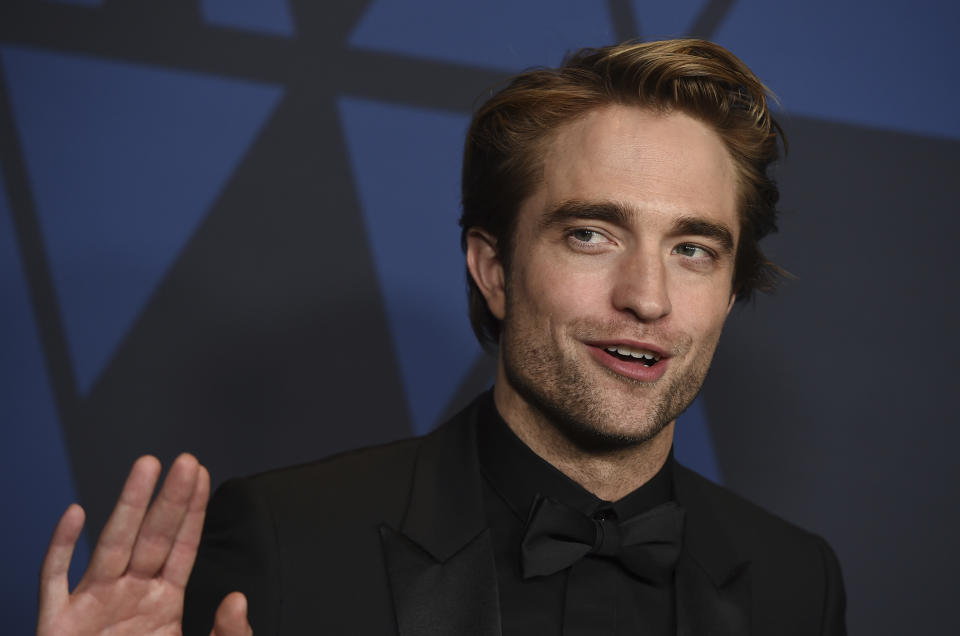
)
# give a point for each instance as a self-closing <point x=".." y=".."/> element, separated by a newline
<point x="608" y="474"/>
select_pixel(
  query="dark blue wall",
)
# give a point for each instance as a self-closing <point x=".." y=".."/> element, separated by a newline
<point x="230" y="227"/>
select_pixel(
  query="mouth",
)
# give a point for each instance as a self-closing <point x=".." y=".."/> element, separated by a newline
<point x="646" y="357"/>
<point x="638" y="361"/>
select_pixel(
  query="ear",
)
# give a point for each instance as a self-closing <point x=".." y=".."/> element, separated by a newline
<point x="733" y="299"/>
<point x="483" y="261"/>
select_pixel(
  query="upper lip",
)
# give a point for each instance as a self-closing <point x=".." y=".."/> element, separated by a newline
<point x="631" y="344"/>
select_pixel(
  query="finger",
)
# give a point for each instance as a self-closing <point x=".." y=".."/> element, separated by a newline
<point x="180" y="562"/>
<point x="166" y="515"/>
<point x="112" y="554"/>
<point x="54" y="588"/>
<point x="231" y="618"/>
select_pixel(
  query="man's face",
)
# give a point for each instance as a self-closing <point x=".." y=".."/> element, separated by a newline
<point x="621" y="275"/>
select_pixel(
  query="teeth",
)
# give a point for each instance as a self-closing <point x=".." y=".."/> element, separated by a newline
<point x="634" y="353"/>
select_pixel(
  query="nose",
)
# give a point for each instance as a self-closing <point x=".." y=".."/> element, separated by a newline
<point x="641" y="286"/>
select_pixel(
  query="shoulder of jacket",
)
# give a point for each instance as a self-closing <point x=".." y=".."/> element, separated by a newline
<point x="380" y="459"/>
<point x="748" y="524"/>
<point x="368" y="481"/>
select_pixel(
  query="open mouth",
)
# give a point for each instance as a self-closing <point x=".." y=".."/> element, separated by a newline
<point x="629" y="354"/>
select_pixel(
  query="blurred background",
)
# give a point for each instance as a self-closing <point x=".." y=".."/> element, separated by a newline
<point x="229" y="227"/>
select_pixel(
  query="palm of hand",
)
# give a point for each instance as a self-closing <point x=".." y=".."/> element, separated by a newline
<point x="129" y="605"/>
<point x="139" y="569"/>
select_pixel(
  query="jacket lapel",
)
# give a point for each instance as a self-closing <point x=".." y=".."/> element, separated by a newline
<point x="440" y="560"/>
<point x="712" y="578"/>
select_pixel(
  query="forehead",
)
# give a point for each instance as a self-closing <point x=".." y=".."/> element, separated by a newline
<point x="665" y="164"/>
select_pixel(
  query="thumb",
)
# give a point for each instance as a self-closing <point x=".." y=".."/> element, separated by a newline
<point x="231" y="619"/>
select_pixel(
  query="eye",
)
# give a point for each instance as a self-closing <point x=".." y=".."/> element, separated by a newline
<point x="592" y="237"/>
<point x="693" y="251"/>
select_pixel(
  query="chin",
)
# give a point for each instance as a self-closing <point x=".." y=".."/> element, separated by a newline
<point x="591" y="424"/>
<point x="599" y="439"/>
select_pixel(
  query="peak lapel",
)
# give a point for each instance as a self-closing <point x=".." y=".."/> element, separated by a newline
<point x="713" y="579"/>
<point x="456" y="596"/>
<point x="704" y="608"/>
<point x="440" y="560"/>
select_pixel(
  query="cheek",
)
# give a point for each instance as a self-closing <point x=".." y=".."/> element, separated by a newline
<point x="703" y="309"/>
<point x="708" y="325"/>
<point x="551" y="298"/>
<point x="566" y="292"/>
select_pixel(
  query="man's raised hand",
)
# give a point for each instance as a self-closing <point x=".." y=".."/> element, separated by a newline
<point x="139" y="569"/>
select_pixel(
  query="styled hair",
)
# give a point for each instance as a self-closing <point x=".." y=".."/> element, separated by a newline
<point x="503" y="157"/>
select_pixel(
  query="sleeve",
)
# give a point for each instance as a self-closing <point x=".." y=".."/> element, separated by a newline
<point x="238" y="551"/>
<point x="835" y="599"/>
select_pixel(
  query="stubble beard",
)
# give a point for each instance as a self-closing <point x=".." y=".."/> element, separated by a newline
<point x="562" y="391"/>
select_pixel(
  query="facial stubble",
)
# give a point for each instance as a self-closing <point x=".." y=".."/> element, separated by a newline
<point x="565" y="391"/>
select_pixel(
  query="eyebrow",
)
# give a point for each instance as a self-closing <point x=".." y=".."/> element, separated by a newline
<point x="619" y="214"/>
<point x="610" y="212"/>
<point x="701" y="227"/>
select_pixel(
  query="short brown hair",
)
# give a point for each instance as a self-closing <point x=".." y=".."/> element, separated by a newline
<point x="502" y="160"/>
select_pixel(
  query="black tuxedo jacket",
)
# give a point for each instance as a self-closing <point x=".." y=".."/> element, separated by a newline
<point x="393" y="540"/>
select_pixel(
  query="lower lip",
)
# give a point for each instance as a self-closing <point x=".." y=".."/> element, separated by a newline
<point x="633" y="370"/>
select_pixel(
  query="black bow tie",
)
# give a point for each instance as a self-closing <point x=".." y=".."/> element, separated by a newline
<point x="558" y="535"/>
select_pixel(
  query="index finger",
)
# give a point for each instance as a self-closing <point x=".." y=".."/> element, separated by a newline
<point x="184" y="551"/>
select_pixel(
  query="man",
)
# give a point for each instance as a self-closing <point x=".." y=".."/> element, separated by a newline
<point x="611" y="213"/>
